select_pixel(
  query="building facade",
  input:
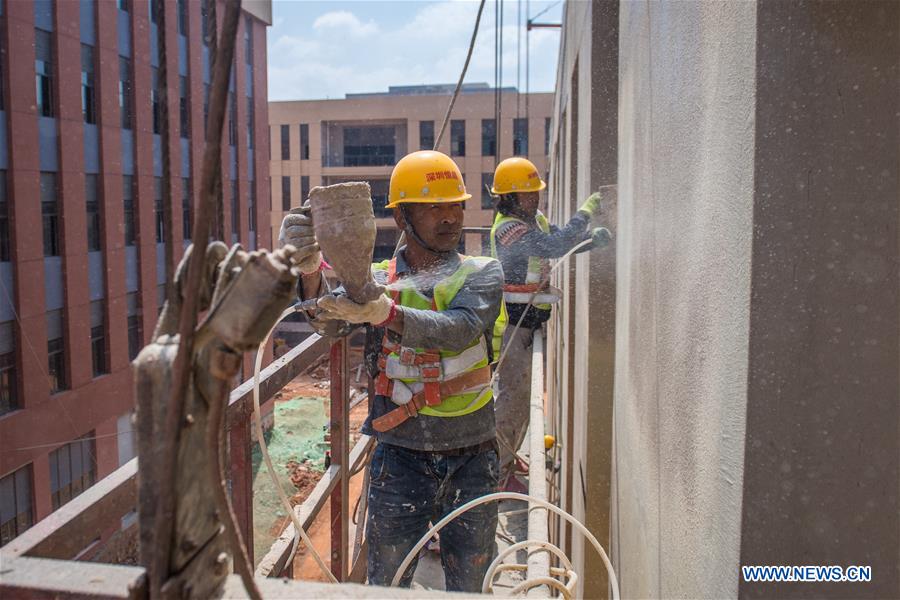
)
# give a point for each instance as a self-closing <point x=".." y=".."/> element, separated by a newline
<point x="82" y="234"/>
<point x="724" y="381"/>
<point x="361" y="137"/>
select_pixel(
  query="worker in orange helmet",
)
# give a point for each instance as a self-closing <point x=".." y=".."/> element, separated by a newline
<point x="524" y="242"/>
<point x="429" y="343"/>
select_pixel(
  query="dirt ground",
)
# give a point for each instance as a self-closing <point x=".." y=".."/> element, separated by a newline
<point x="305" y="474"/>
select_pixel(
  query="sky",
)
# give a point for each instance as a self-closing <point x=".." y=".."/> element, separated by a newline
<point x="327" y="49"/>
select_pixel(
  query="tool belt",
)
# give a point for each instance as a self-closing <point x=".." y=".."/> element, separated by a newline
<point x="451" y="387"/>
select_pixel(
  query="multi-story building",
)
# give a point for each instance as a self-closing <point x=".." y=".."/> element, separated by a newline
<point x="361" y="138"/>
<point x="82" y="233"/>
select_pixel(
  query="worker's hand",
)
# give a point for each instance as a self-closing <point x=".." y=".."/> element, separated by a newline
<point x="601" y="237"/>
<point x="591" y="205"/>
<point x="343" y="308"/>
<point x="297" y="230"/>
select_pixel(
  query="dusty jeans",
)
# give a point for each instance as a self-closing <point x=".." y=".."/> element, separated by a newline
<point x="409" y="488"/>
<point x="513" y="398"/>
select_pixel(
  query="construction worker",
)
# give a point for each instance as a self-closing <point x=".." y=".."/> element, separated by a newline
<point x="524" y="242"/>
<point x="429" y="343"/>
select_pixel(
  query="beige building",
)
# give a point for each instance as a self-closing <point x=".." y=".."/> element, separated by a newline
<point x="361" y="137"/>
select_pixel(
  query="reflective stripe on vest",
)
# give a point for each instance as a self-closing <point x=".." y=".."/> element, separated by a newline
<point x="404" y="376"/>
<point x="538" y="267"/>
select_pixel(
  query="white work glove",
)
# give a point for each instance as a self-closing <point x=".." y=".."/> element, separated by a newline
<point x="343" y="308"/>
<point x="297" y="230"/>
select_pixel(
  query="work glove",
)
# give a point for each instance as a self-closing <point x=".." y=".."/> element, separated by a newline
<point x="297" y="230"/>
<point x="342" y="308"/>
<point x="600" y="237"/>
<point x="591" y="205"/>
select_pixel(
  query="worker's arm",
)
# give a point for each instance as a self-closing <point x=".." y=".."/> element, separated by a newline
<point x="517" y="238"/>
<point x="471" y="312"/>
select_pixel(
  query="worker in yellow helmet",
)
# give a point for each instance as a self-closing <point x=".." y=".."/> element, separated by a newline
<point x="524" y="242"/>
<point x="430" y="342"/>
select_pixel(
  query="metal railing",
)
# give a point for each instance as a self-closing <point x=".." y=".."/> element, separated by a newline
<point x="65" y="533"/>
<point x="40" y="561"/>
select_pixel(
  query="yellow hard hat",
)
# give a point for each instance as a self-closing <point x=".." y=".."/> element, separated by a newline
<point x="516" y="174"/>
<point x="549" y="441"/>
<point x="426" y="177"/>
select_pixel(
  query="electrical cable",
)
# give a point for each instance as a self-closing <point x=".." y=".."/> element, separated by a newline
<point x="257" y="413"/>
<point x="578" y="525"/>
<point x="462" y="75"/>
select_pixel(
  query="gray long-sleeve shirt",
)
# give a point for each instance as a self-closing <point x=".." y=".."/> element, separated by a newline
<point x="517" y="240"/>
<point x="470" y="315"/>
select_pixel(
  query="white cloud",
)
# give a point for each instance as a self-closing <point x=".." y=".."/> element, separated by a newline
<point x="346" y="22"/>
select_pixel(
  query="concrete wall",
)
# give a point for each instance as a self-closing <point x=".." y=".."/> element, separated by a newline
<point x="756" y="308"/>
<point x="686" y="115"/>
<point x="581" y="332"/>
<point x="821" y="477"/>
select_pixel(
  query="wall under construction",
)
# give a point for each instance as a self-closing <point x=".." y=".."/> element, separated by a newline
<point x="743" y="408"/>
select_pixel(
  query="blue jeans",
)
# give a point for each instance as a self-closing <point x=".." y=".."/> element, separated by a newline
<point x="409" y="488"/>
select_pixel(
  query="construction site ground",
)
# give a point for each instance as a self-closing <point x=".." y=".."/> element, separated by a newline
<point x="297" y="445"/>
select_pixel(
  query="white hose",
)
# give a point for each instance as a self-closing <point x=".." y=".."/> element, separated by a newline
<point x="487" y="582"/>
<point x="613" y="581"/>
<point x="298" y="527"/>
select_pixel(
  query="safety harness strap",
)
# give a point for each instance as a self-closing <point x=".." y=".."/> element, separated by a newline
<point x="452" y="387"/>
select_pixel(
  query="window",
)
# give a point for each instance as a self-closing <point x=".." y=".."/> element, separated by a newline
<point x="135" y="336"/>
<point x="184" y="122"/>
<point x="2" y="74"/>
<point x="204" y="21"/>
<point x="285" y="193"/>
<point x="457" y="137"/>
<point x="181" y="10"/>
<point x="304" y="188"/>
<point x="158" y="210"/>
<point x="186" y="208"/>
<point x="43" y="72"/>
<point x="547" y="135"/>
<point x="4" y="220"/>
<point x="304" y="141"/>
<point x="232" y="120"/>
<point x="128" y="203"/>
<point x="235" y="210"/>
<point x="369" y="146"/>
<point x="154" y="7"/>
<point x="16" y="508"/>
<point x="426" y="135"/>
<point x="125" y="92"/>
<point x="73" y="469"/>
<point x="520" y="137"/>
<point x="485" y="238"/>
<point x="124" y="5"/>
<point x="251" y="207"/>
<point x="50" y="214"/>
<point x="285" y="142"/>
<point x="248" y="40"/>
<point x="155" y="104"/>
<point x="99" y="358"/>
<point x="92" y="205"/>
<point x="56" y="353"/>
<point x="88" y="100"/>
<point x="487" y="201"/>
<point x="251" y="128"/>
<point x="8" y="387"/>
<point x="488" y="137"/>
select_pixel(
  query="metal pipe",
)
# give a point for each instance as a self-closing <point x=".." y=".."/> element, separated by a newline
<point x="538" y="560"/>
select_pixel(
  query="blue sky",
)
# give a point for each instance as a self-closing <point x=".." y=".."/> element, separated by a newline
<point x="327" y="49"/>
